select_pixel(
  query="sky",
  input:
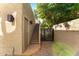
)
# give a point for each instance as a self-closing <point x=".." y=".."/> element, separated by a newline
<point x="33" y="5"/>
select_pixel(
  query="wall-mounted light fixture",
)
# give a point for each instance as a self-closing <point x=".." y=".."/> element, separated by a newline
<point x="10" y="18"/>
<point x="31" y="22"/>
<point x="25" y="18"/>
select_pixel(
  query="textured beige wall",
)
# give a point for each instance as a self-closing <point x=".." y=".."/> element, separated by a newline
<point x="28" y="29"/>
<point x="14" y="39"/>
<point x="69" y="37"/>
<point x="18" y="39"/>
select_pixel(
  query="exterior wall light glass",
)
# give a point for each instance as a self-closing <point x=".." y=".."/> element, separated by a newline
<point x="10" y="18"/>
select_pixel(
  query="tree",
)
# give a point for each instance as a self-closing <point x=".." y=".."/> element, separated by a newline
<point x="55" y="13"/>
<point x="35" y="14"/>
<point x="67" y="26"/>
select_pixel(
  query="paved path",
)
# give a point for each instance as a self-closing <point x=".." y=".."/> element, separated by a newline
<point x="46" y="49"/>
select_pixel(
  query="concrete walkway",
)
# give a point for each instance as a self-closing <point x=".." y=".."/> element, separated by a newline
<point x="45" y="50"/>
<point x="32" y="48"/>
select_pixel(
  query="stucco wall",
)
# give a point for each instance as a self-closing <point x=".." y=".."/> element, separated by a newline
<point x="13" y="39"/>
<point x="19" y="38"/>
<point x="69" y="37"/>
<point x="28" y="29"/>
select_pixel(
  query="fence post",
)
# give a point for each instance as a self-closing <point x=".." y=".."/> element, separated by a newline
<point x="52" y="34"/>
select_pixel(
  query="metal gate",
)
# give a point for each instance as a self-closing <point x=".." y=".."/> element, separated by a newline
<point x="47" y="34"/>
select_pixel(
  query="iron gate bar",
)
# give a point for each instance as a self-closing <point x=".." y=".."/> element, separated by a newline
<point x="47" y="34"/>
